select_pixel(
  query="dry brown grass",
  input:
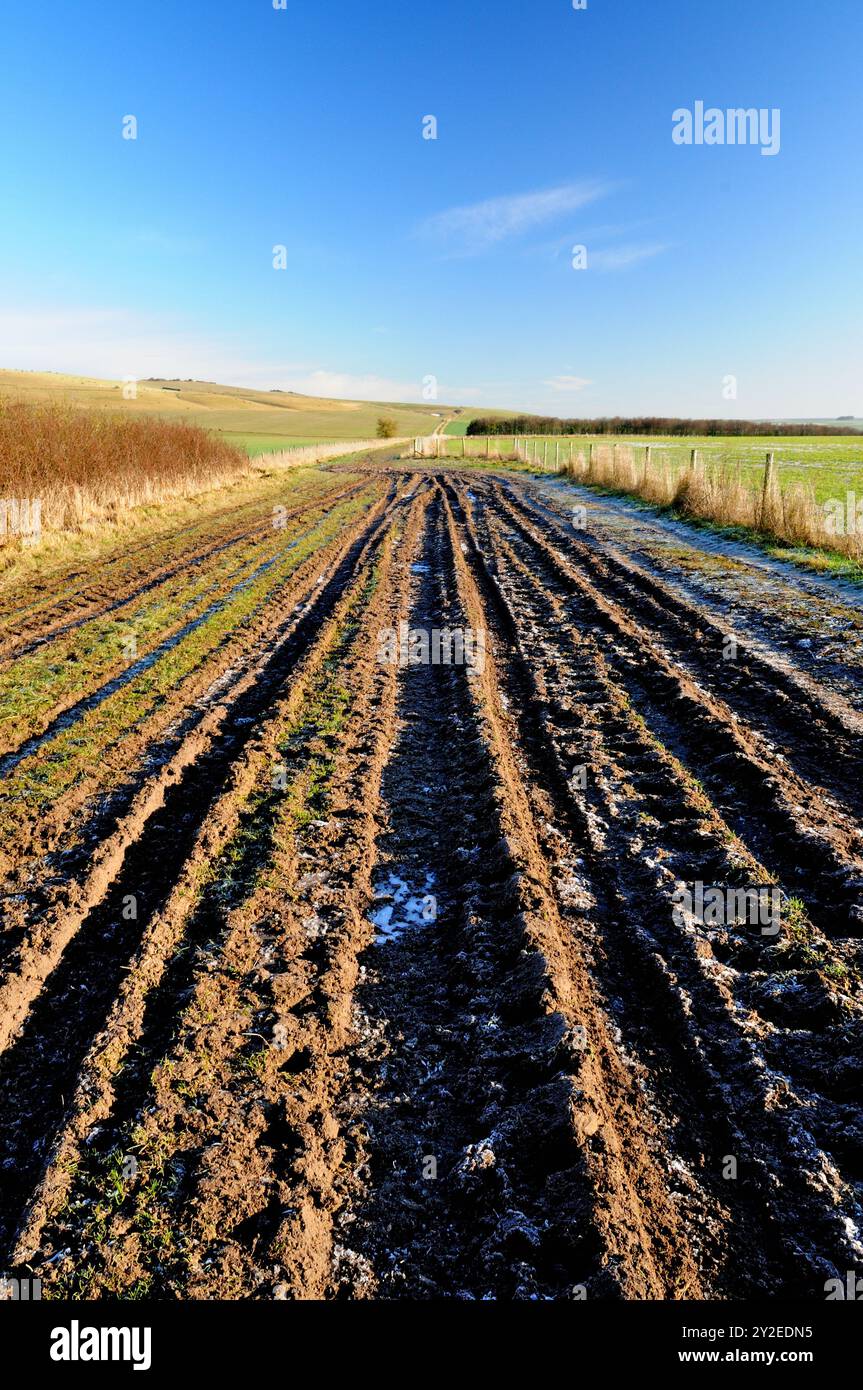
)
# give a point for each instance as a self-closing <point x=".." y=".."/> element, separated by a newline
<point x="84" y="467"/>
<point x="714" y="492"/>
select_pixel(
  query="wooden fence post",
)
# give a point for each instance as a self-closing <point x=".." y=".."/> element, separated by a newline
<point x="767" y="487"/>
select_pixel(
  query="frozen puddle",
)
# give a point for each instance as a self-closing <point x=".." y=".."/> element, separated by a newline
<point x="400" y="907"/>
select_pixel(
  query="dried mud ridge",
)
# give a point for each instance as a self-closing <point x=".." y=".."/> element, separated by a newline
<point x="405" y="1010"/>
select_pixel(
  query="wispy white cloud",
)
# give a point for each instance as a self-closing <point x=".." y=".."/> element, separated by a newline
<point x="477" y="226"/>
<point x="113" y="344"/>
<point x="346" y="385"/>
<point x="567" y="385"/>
<point x="116" y="343"/>
<point x="600" y="255"/>
<point x="371" y="387"/>
<point x="624" y="257"/>
<point x="366" y="386"/>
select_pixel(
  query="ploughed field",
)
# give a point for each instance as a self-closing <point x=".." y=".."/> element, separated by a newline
<point x="328" y="972"/>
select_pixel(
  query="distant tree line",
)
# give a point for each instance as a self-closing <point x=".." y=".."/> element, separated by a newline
<point x="643" y="424"/>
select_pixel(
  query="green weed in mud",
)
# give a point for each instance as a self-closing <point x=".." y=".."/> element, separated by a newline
<point x="72" y="1285"/>
<point x="803" y="950"/>
<point x="102" y="1191"/>
<point x="140" y="1290"/>
<point x="309" y="800"/>
<point x="836" y="970"/>
<point x="322" y="717"/>
<point x="256" y="1062"/>
<point x="116" y="1177"/>
<point x="795" y="921"/>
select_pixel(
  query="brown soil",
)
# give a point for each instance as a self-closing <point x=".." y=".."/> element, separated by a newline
<point x="417" y="1019"/>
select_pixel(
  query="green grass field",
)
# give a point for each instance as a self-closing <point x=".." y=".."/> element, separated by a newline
<point x="830" y="466"/>
<point x="255" y="444"/>
<point x="457" y="426"/>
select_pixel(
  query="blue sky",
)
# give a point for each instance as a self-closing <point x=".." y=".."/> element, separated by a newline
<point x="409" y="258"/>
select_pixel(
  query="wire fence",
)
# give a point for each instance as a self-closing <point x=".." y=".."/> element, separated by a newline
<point x="798" y="500"/>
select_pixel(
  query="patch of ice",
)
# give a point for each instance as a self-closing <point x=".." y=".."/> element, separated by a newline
<point x="404" y="907"/>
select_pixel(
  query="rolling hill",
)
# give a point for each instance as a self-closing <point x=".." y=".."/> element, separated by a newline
<point x="255" y="420"/>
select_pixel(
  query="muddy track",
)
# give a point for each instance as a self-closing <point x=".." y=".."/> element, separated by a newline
<point x="418" y="1016"/>
<point x="640" y="941"/>
<point x="784" y="706"/>
<point x="113" y="670"/>
<point x="210" y="740"/>
<point x="96" y="599"/>
<point x="484" y="1175"/>
<point x="72" y="1005"/>
<point x="792" y="823"/>
<point x="146" y="1018"/>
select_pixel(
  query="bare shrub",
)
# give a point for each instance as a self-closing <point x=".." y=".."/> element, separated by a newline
<point x="85" y="466"/>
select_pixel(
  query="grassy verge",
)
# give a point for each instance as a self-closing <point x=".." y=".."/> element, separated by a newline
<point x="813" y="558"/>
<point x="785" y="521"/>
<point x="157" y="524"/>
<point x="257" y="444"/>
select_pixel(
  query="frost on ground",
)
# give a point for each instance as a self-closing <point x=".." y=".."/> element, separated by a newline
<point x="402" y="907"/>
